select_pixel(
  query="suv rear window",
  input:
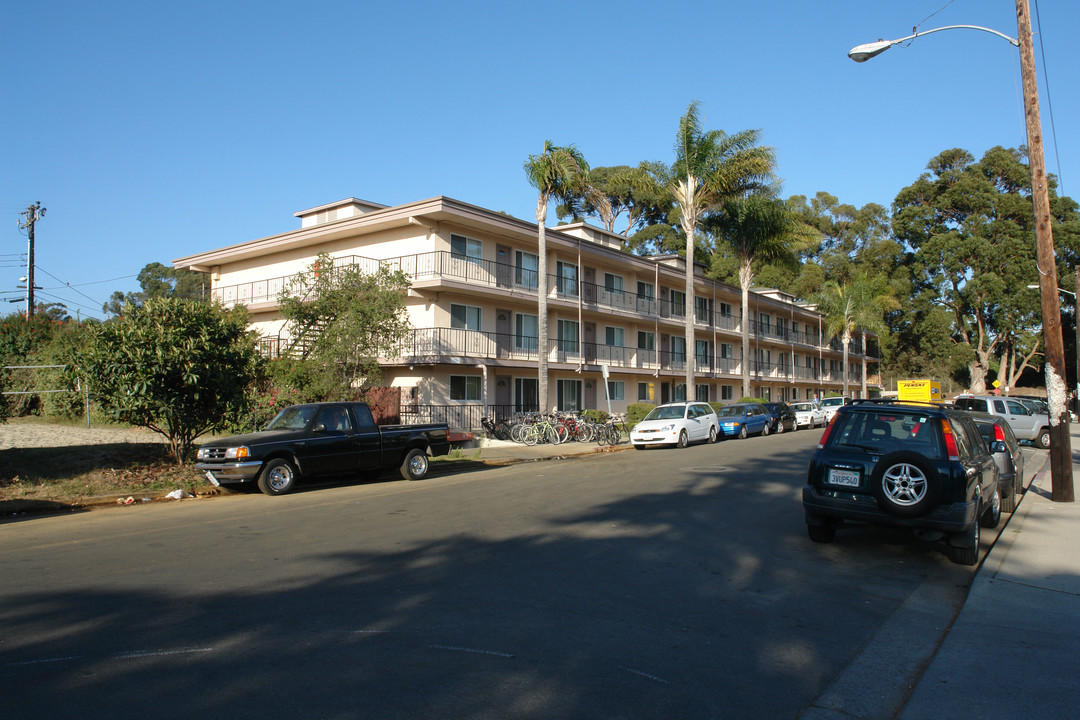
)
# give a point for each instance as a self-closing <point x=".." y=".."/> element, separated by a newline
<point x="887" y="430"/>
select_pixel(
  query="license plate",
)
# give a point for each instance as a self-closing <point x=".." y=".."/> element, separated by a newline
<point x="211" y="478"/>
<point x="847" y="478"/>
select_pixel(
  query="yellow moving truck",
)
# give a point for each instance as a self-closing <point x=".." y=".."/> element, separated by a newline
<point x="918" y="390"/>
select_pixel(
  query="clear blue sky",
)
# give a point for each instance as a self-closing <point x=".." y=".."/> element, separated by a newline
<point x="151" y="131"/>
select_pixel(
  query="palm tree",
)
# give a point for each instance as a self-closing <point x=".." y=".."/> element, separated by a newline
<point x="559" y="173"/>
<point x="710" y="166"/>
<point x="758" y="226"/>
<point x="850" y="306"/>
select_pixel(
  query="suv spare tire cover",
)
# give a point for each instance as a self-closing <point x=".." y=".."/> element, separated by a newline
<point x="905" y="484"/>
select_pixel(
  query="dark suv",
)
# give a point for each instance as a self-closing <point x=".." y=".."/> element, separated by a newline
<point x="921" y="466"/>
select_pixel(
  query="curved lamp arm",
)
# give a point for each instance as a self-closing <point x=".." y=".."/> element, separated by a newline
<point x="862" y="53"/>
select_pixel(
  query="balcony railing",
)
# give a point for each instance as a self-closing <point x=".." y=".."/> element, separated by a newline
<point x="443" y="265"/>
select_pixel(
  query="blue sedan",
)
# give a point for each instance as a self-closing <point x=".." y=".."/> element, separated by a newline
<point x="743" y="419"/>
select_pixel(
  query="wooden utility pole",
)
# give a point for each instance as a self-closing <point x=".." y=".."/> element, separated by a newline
<point x="33" y="213"/>
<point x="1061" y="474"/>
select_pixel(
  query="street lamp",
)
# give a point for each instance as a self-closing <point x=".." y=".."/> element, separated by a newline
<point x="1076" y="325"/>
<point x="1056" y="388"/>
<point x="862" y="53"/>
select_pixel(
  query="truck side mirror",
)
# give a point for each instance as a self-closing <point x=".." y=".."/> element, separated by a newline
<point x="318" y="427"/>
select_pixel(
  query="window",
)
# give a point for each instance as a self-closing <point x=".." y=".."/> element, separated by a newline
<point x="703" y="309"/>
<point x="613" y="283"/>
<point x="527" y="332"/>
<point x="781" y="328"/>
<point x="678" y="351"/>
<point x="616" y="389"/>
<point x="465" y="388"/>
<point x="464" y="317"/>
<point x="678" y="393"/>
<point x="726" y="392"/>
<point x="678" y="303"/>
<point x="701" y="393"/>
<point x="613" y="336"/>
<point x="567" y="336"/>
<point x="702" y="351"/>
<point x="726" y="351"/>
<point x="646" y="340"/>
<point x="766" y="326"/>
<point x="526" y="392"/>
<point x="566" y="278"/>
<point x="645" y="290"/>
<point x="725" y="309"/>
<point x="526" y="265"/>
<point x="643" y="391"/>
<point x="466" y="247"/>
<point x="569" y="394"/>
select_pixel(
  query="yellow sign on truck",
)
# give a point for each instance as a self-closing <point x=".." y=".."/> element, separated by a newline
<point x="918" y="390"/>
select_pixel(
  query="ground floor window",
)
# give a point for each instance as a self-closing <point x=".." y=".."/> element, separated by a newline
<point x="701" y="393"/>
<point x="616" y="390"/>
<point x="678" y="393"/>
<point x="727" y="392"/>
<point x="643" y="392"/>
<point x="568" y="395"/>
<point x="465" y="388"/>
<point x="526" y="394"/>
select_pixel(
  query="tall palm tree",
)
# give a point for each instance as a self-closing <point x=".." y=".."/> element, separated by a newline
<point x="850" y="306"/>
<point x="758" y="226"/>
<point x="561" y="174"/>
<point x="710" y="166"/>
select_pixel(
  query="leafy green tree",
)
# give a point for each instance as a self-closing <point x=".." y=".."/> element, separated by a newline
<point x="176" y="367"/>
<point x="970" y="227"/>
<point x="636" y="191"/>
<point x="710" y="167"/>
<point x="756" y="227"/>
<point x="558" y="173"/>
<point x="347" y="318"/>
<point x="159" y="281"/>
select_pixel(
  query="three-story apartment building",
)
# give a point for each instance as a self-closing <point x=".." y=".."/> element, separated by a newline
<point x="616" y="320"/>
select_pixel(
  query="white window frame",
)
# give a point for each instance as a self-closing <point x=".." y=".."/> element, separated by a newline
<point x="522" y="277"/>
<point x="474" y="249"/>
<point x="616" y="389"/>
<point x="470" y="310"/>
<point x="472" y="386"/>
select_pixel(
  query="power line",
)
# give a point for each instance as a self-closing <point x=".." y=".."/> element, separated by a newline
<point x="67" y="285"/>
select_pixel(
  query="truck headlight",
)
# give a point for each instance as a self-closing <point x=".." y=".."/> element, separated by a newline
<point x="236" y="453"/>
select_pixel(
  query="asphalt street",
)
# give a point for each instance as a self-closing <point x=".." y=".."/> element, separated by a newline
<point x="658" y="584"/>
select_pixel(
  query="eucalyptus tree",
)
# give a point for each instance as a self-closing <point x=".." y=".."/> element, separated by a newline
<point x="970" y="226"/>
<point x="559" y="173"/>
<point x="638" y="193"/>
<point x="757" y="227"/>
<point x="710" y="167"/>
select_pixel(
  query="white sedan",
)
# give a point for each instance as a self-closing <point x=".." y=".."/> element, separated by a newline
<point x="677" y="424"/>
<point x="808" y="414"/>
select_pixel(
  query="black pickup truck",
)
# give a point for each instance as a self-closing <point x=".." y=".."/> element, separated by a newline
<point x="337" y="438"/>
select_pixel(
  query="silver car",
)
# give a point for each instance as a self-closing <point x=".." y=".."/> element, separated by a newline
<point x="1027" y="425"/>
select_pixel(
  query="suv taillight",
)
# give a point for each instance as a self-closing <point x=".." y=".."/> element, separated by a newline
<point x="825" y="435"/>
<point x="999" y="434"/>
<point x="950" y="442"/>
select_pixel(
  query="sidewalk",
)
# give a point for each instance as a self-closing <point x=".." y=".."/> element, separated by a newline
<point x="1014" y="649"/>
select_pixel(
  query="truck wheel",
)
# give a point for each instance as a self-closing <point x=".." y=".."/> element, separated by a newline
<point x="1043" y="439"/>
<point x="415" y="465"/>
<point x="278" y="477"/>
